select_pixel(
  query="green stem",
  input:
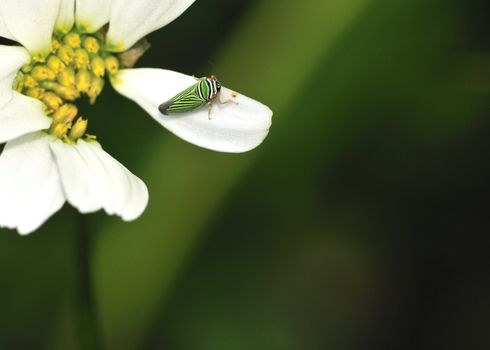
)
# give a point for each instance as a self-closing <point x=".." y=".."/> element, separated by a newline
<point x="86" y="317"/>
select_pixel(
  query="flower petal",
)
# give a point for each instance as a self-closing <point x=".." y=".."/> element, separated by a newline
<point x="91" y="15"/>
<point x="116" y="189"/>
<point x="238" y="126"/>
<point x="31" y="22"/>
<point x="131" y="20"/>
<point x="66" y="17"/>
<point x="12" y="59"/>
<point x="75" y="177"/>
<point x="4" y="31"/>
<point x="22" y="115"/>
<point x="30" y="188"/>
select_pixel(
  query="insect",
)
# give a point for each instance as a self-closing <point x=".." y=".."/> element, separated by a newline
<point x="202" y="92"/>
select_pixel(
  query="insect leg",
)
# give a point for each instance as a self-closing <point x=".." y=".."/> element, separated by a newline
<point x="210" y="109"/>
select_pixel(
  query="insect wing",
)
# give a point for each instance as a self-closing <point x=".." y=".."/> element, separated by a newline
<point x="186" y="101"/>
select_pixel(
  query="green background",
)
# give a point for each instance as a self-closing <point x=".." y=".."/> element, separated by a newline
<point x="360" y="223"/>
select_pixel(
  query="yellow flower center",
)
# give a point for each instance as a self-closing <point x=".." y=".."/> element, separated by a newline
<point x="75" y="68"/>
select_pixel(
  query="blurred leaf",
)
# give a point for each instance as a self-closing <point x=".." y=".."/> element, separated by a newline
<point x="136" y="263"/>
<point x="37" y="277"/>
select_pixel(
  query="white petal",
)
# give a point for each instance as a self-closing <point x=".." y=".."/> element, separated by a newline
<point x="30" y="188"/>
<point x="116" y="189"/>
<point x="131" y="20"/>
<point x="31" y="22"/>
<point x="4" y="31"/>
<point x="91" y="15"/>
<point x="237" y="126"/>
<point x="12" y="58"/>
<point x="75" y="177"/>
<point x="66" y="16"/>
<point x="22" y="115"/>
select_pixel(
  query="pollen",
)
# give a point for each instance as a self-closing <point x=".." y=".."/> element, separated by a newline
<point x="74" y="68"/>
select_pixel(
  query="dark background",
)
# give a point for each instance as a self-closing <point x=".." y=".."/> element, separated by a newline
<point x="360" y="223"/>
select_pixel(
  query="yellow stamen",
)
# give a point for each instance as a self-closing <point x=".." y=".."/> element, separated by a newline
<point x="55" y="44"/>
<point x="66" y="77"/>
<point x="81" y="58"/>
<point x="74" y="66"/>
<point x="112" y="65"/>
<point x="65" y="114"/>
<point x="73" y="40"/>
<point x="35" y="92"/>
<point x="83" y="79"/>
<point x="55" y="64"/>
<point x="29" y="81"/>
<point x="40" y="73"/>
<point x="91" y="45"/>
<point x="78" y="129"/>
<point x="95" y="89"/>
<point x="66" y="54"/>
<point x="65" y="92"/>
<point x="52" y="100"/>
<point x="59" y="130"/>
<point x="97" y="65"/>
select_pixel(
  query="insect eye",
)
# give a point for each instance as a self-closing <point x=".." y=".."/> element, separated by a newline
<point x="218" y="85"/>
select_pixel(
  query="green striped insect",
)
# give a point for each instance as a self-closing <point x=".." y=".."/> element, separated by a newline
<point x="194" y="97"/>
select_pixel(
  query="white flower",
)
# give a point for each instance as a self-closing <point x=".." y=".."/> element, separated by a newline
<point x="68" y="46"/>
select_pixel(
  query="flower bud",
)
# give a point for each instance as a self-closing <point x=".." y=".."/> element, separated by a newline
<point x="73" y="40"/>
<point x="95" y="89"/>
<point x="55" y="64"/>
<point x="18" y="84"/>
<point x="59" y="130"/>
<point x="40" y="57"/>
<point x="66" y="54"/>
<point x="29" y="81"/>
<point x="81" y="58"/>
<point x="112" y="65"/>
<point x="66" y="77"/>
<point x="52" y="100"/>
<point x="97" y="65"/>
<point x="65" y="92"/>
<point x="78" y="129"/>
<point x="83" y="79"/>
<point x="26" y="68"/>
<point x="55" y="45"/>
<point x="91" y="45"/>
<point x="40" y="73"/>
<point x="35" y="92"/>
<point x="65" y="114"/>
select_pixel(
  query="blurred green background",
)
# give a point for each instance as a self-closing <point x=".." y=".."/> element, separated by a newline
<point x="360" y="223"/>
